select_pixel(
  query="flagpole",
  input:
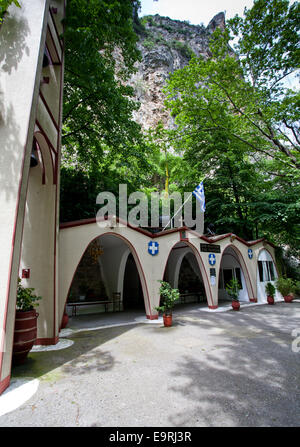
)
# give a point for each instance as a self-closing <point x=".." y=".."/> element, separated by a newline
<point x="183" y="204"/>
<point x="178" y="211"/>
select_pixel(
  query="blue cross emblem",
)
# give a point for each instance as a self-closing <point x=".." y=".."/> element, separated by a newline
<point x="212" y="259"/>
<point x="250" y="253"/>
<point x="153" y="248"/>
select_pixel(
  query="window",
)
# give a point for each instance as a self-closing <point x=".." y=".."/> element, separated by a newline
<point x="227" y="275"/>
<point x="238" y="276"/>
<point x="266" y="271"/>
<point x="271" y="270"/>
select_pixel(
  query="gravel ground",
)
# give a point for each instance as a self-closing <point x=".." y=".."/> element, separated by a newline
<point x="227" y="369"/>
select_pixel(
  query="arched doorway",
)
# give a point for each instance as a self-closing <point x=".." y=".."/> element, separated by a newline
<point x="266" y="272"/>
<point x="133" y="298"/>
<point x="232" y="267"/>
<point x="183" y="272"/>
<point x="102" y="274"/>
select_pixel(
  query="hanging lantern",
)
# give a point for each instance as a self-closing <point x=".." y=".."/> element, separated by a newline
<point x="95" y="251"/>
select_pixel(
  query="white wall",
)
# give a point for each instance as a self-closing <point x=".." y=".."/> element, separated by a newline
<point x="22" y="38"/>
<point x="264" y="255"/>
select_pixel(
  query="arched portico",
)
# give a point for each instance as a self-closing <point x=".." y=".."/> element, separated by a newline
<point x="182" y="251"/>
<point x="112" y="264"/>
<point x="233" y="266"/>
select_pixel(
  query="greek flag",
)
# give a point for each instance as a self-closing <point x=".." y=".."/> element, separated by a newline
<point x="199" y="194"/>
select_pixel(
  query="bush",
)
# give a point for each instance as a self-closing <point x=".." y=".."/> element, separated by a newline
<point x="183" y="49"/>
<point x="286" y="286"/>
<point x="149" y="43"/>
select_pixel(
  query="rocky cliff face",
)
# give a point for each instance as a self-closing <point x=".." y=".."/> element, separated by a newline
<point x="166" y="45"/>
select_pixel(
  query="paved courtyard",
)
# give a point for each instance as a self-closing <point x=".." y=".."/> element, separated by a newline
<point x="209" y="369"/>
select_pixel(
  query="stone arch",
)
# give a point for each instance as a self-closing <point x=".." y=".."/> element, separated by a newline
<point x="121" y="267"/>
<point x="244" y="270"/>
<point x="195" y="252"/>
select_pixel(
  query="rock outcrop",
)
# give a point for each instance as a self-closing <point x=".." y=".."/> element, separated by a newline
<point x="166" y="46"/>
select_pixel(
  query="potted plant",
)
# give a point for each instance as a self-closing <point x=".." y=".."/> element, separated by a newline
<point x="25" y="333"/>
<point x="168" y="296"/>
<point x="270" y="291"/>
<point x="65" y="319"/>
<point x="233" y="290"/>
<point x="286" y="287"/>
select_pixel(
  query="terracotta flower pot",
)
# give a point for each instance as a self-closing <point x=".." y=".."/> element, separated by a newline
<point x="235" y="305"/>
<point x="288" y="298"/>
<point x="270" y="299"/>
<point x="65" y="320"/>
<point x="167" y="320"/>
<point x="25" y="335"/>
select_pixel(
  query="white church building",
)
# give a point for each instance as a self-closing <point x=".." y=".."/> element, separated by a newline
<point x="51" y="257"/>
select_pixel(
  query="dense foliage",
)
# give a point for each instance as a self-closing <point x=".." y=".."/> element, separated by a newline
<point x="99" y="134"/>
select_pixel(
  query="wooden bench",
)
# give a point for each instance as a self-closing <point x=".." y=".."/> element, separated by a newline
<point x="116" y="302"/>
<point x="183" y="296"/>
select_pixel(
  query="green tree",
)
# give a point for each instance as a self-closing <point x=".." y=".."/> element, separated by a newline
<point x="237" y="122"/>
<point x="100" y="52"/>
<point x="243" y="94"/>
<point x="102" y="145"/>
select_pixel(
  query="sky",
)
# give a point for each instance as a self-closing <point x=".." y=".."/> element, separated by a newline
<point x="195" y="11"/>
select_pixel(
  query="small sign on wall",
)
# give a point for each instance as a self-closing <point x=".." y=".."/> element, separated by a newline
<point x="209" y="248"/>
<point x="212" y="273"/>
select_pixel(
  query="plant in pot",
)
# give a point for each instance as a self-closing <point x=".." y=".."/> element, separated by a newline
<point x="286" y="287"/>
<point x="168" y="296"/>
<point x="233" y="290"/>
<point x="25" y="333"/>
<point x="270" y="291"/>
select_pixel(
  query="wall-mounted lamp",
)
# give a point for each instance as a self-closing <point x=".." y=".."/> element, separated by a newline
<point x="113" y="222"/>
<point x="45" y="80"/>
<point x="232" y="237"/>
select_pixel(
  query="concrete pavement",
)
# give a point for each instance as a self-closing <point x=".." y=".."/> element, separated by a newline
<point x="209" y="369"/>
